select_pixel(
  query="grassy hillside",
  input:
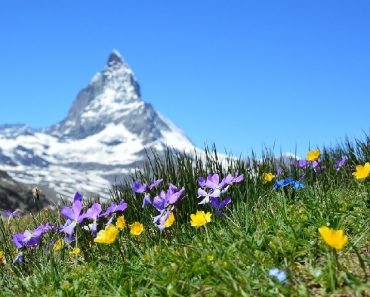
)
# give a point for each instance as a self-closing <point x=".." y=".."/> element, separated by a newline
<point x="265" y="242"/>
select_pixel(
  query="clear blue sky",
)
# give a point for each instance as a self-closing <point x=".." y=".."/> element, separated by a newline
<point x="242" y="74"/>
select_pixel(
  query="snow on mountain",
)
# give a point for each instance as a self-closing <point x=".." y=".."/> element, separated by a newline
<point x="103" y="137"/>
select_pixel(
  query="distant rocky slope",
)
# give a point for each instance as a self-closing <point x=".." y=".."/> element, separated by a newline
<point x="104" y="136"/>
<point x="15" y="195"/>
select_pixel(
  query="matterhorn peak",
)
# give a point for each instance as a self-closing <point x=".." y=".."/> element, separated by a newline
<point x="115" y="58"/>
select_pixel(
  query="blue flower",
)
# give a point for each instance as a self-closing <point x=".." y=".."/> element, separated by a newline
<point x="289" y="181"/>
<point x="278" y="274"/>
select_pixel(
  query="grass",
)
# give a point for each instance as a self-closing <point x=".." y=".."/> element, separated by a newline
<point x="231" y="256"/>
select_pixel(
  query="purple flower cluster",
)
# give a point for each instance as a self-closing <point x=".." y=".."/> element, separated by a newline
<point x="164" y="203"/>
<point x="339" y="163"/>
<point x="211" y="188"/>
<point x="30" y="238"/>
<point x="9" y="214"/>
<point x="75" y="216"/>
<point x="144" y="188"/>
<point x="315" y="165"/>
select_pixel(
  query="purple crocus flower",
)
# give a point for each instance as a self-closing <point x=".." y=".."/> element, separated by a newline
<point x="69" y="239"/>
<point x="218" y="205"/>
<point x="73" y="215"/>
<point x="77" y="197"/>
<point x="144" y="188"/>
<point x="19" y="259"/>
<point x="30" y="238"/>
<point x="202" y="182"/>
<point x="317" y="166"/>
<point x="215" y="186"/>
<point x="340" y="162"/>
<point x="11" y="214"/>
<point x="165" y="202"/>
<point x="92" y="214"/>
<point x="302" y="163"/>
<point x="279" y="171"/>
<point x="113" y="208"/>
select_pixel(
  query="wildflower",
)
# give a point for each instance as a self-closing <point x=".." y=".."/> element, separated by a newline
<point x="93" y="214"/>
<point x="73" y="215"/>
<point x="144" y="188"/>
<point x="30" y="238"/>
<point x="200" y="218"/>
<point x="121" y="223"/>
<point x="75" y="251"/>
<point x="289" y="181"/>
<point x="77" y="197"/>
<point x="19" y="259"/>
<point x="317" y="166"/>
<point x="9" y="214"/>
<point x="297" y="184"/>
<point x="136" y="228"/>
<point x="362" y="172"/>
<point x="69" y="239"/>
<point x="165" y="204"/>
<point x="107" y="236"/>
<point x="121" y="206"/>
<point x="340" y="162"/>
<point x="278" y="274"/>
<point x="302" y="163"/>
<point x="58" y="245"/>
<point x="279" y="171"/>
<point x="267" y="177"/>
<point x="333" y="238"/>
<point x="216" y="188"/>
<point x="219" y="205"/>
<point x="2" y="258"/>
<point x="170" y="220"/>
<point x="313" y="155"/>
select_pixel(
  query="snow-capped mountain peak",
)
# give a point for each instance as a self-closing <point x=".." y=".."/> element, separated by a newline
<point x="104" y="135"/>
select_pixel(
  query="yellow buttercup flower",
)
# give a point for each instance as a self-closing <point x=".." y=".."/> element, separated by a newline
<point x="121" y="223"/>
<point x="170" y="220"/>
<point x="313" y="155"/>
<point x="136" y="228"/>
<point x="59" y="244"/>
<point x="2" y="257"/>
<point x="267" y="177"/>
<point x="333" y="238"/>
<point x="362" y="172"/>
<point x="107" y="236"/>
<point x="75" y="251"/>
<point x="200" y="218"/>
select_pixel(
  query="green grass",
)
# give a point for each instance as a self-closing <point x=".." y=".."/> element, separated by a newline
<point x="262" y="228"/>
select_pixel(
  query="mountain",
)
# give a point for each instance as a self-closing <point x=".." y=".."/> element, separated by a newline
<point x="103" y="137"/>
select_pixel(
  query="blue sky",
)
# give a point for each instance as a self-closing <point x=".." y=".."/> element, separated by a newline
<point x="241" y="74"/>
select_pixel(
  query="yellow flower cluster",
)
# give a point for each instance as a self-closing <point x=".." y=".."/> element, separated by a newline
<point x="1" y="257"/>
<point x="200" y="218"/>
<point x="268" y="177"/>
<point x="75" y="251"/>
<point x="136" y="228"/>
<point x="59" y="244"/>
<point x="362" y="172"/>
<point x="170" y="220"/>
<point x="107" y="236"/>
<point x="333" y="238"/>
<point x="313" y="155"/>
<point x="121" y="223"/>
